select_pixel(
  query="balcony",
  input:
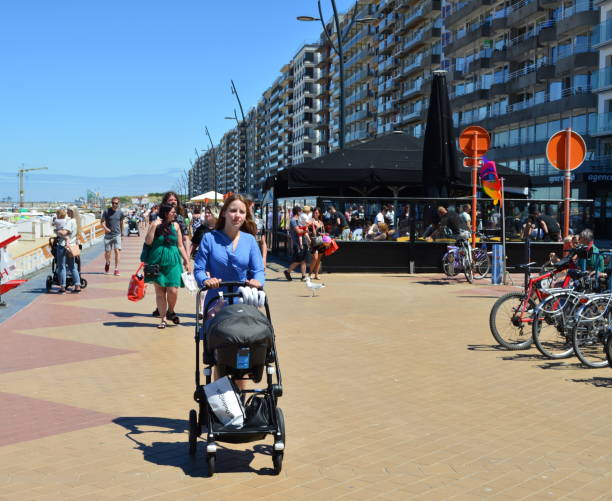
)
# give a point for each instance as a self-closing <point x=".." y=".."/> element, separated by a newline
<point x="358" y="115"/>
<point x="466" y="9"/>
<point x="522" y="10"/>
<point x="572" y="58"/>
<point x="387" y="23"/>
<point x="575" y="20"/>
<point x="602" y="34"/>
<point x="358" y="97"/>
<point x="358" y="77"/>
<point x="386" y="87"/>
<point x="471" y="37"/>
<point x="356" y="135"/>
<point x="471" y="97"/>
<point x="387" y="45"/>
<point x="482" y="63"/>
<point x="531" y="109"/>
<point x="386" y="65"/>
<point x="386" y="107"/>
<point x="602" y="80"/>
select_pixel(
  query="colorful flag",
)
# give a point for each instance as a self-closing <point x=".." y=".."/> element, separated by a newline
<point x="491" y="184"/>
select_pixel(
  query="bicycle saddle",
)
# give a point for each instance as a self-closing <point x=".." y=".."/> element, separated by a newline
<point x="526" y="266"/>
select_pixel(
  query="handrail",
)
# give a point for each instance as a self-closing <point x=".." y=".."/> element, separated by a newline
<point x="40" y="247"/>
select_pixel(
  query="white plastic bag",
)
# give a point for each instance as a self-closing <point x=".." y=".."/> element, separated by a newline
<point x="252" y="296"/>
<point x="224" y="402"/>
<point x="190" y="282"/>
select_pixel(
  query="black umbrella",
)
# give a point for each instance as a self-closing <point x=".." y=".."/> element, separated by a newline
<point x="439" y="149"/>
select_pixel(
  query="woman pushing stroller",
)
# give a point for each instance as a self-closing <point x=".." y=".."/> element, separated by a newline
<point x="230" y="253"/>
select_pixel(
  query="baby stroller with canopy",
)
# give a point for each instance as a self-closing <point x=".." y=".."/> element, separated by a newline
<point x="238" y="342"/>
<point x="53" y="278"/>
<point x="133" y="228"/>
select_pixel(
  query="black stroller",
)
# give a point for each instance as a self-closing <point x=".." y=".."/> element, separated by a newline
<point x="238" y="343"/>
<point x="133" y="228"/>
<point x="53" y="279"/>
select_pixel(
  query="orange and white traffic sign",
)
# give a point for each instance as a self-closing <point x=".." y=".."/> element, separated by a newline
<point x="566" y="150"/>
<point x="474" y="141"/>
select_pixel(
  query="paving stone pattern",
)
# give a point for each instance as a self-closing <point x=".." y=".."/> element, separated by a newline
<point x="393" y="390"/>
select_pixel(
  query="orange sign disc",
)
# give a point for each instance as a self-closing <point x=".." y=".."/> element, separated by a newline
<point x="556" y="150"/>
<point x="474" y="141"/>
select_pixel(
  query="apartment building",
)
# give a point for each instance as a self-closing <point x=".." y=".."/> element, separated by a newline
<point x="201" y="174"/>
<point x="599" y="179"/>
<point x="523" y="71"/>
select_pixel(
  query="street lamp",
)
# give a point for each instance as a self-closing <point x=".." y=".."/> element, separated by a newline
<point x="338" y="49"/>
<point x="214" y="162"/>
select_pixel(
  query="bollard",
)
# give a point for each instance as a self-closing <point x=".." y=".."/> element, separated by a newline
<point x="412" y="267"/>
<point x="497" y="268"/>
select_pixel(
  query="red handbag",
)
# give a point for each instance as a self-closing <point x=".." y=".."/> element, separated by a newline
<point x="137" y="287"/>
<point x="333" y="247"/>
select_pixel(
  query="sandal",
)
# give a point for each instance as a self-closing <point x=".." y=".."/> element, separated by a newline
<point x="162" y="325"/>
<point x="174" y="317"/>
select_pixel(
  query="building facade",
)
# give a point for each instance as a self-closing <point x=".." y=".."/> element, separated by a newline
<point x="521" y="69"/>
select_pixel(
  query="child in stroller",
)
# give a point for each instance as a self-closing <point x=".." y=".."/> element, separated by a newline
<point x="133" y="228"/>
<point x="238" y="343"/>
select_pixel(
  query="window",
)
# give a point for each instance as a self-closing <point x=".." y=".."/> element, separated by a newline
<point x="554" y="91"/>
<point x="540" y="132"/>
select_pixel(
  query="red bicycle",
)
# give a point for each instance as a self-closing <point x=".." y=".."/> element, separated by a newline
<point x="511" y="316"/>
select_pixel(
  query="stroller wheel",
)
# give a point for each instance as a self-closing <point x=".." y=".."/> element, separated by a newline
<point x="193" y="432"/>
<point x="83" y="283"/>
<point x="277" y="461"/>
<point x="211" y="461"/>
<point x="49" y="283"/>
<point x="280" y="419"/>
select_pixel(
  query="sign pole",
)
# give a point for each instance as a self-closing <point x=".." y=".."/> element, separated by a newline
<point x="567" y="181"/>
<point x="502" y="208"/>
<point x="474" y="188"/>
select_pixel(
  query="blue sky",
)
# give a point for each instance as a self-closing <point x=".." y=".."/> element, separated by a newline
<point x="115" y="88"/>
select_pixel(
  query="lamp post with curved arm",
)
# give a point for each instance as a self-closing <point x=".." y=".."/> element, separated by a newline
<point x="214" y="162"/>
<point x="338" y="49"/>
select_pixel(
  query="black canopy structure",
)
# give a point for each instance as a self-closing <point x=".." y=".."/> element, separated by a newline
<point x="386" y="166"/>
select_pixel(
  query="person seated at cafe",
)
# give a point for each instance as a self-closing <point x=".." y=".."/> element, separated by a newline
<point x="454" y="222"/>
<point x="550" y="227"/>
<point x="378" y="231"/>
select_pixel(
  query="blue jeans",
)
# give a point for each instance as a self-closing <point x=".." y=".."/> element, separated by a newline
<point x="64" y="261"/>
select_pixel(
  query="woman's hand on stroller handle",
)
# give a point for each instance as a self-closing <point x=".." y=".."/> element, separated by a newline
<point x="215" y="283"/>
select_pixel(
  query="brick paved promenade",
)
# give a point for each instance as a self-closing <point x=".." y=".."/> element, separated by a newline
<point x="393" y="390"/>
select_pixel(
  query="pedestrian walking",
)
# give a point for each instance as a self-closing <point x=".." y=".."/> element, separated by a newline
<point x="165" y="249"/>
<point x="230" y="253"/>
<point x="66" y="262"/>
<point x="112" y="222"/>
<point x="298" y="249"/>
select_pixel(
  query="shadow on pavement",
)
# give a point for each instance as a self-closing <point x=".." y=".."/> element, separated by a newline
<point x="177" y="453"/>
<point x="485" y="347"/>
<point x="562" y="366"/>
<point x="599" y="382"/>
<point x="524" y="356"/>
<point x="432" y="282"/>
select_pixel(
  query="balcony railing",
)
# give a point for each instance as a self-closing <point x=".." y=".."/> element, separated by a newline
<point x="603" y="124"/>
<point x="602" y="33"/>
<point x="580" y="6"/>
<point x="522" y="105"/>
<point x="602" y="78"/>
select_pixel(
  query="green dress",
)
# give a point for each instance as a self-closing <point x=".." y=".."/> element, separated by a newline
<point x="168" y="257"/>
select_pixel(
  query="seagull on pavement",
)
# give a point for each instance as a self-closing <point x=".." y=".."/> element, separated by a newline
<point x="313" y="287"/>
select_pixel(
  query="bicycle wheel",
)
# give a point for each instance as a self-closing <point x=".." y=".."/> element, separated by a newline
<point x="550" y="327"/>
<point x="448" y="264"/>
<point x="468" y="270"/>
<point x="482" y="263"/>
<point x="589" y="334"/>
<point x="608" y="347"/>
<point x="510" y="320"/>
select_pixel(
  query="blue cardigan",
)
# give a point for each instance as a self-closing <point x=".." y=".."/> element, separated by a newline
<point x="215" y="256"/>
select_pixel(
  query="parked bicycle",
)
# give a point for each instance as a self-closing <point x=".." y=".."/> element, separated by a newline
<point x="555" y="317"/>
<point x="461" y="258"/>
<point x="512" y="314"/>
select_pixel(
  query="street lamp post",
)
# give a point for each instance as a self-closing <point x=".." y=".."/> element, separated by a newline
<point x="338" y="49"/>
<point x="214" y="162"/>
<point x="247" y="172"/>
